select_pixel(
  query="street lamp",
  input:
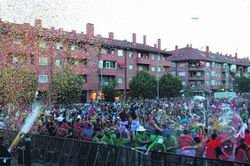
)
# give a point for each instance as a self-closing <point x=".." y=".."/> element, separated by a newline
<point x="100" y="66"/>
<point x="157" y="75"/>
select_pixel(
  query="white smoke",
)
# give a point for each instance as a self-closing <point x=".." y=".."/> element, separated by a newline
<point x="31" y="118"/>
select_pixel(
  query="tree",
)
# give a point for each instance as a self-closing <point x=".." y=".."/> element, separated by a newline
<point x="143" y="85"/>
<point x="66" y="87"/>
<point x="170" y="86"/>
<point x="17" y="86"/>
<point x="109" y="91"/>
<point x="242" y="84"/>
<point x="188" y="92"/>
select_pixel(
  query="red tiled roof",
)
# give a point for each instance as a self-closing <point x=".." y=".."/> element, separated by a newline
<point x="188" y="53"/>
<point x="53" y="34"/>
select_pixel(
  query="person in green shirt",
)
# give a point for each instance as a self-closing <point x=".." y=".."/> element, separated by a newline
<point x="119" y="141"/>
<point x="108" y="137"/>
<point x="171" y="143"/>
<point x="157" y="147"/>
<point x="98" y="136"/>
<point x="141" y="138"/>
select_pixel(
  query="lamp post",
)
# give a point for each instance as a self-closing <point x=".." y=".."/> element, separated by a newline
<point x="100" y="66"/>
<point x="157" y="75"/>
<point x="125" y="75"/>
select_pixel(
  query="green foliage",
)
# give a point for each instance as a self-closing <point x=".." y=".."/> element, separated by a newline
<point x="110" y="92"/>
<point x="242" y="84"/>
<point x="143" y="85"/>
<point x="170" y="86"/>
<point x="66" y="87"/>
<point x="17" y="86"/>
<point x="188" y="92"/>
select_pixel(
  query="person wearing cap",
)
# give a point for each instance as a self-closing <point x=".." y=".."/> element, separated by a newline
<point x="156" y="147"/>
<point x="108" y="137"/>
<point x="141" y="138"/>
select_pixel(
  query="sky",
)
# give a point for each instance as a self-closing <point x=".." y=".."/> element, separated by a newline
<point x="223" y="25"/>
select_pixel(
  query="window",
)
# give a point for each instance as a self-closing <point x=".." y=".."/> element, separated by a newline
<point x="182" y="74"/>
<point x="152" y="56"/>
<point x="248" y="69"/>
<point x="207" y="64"/>
<point x="140" y="68"/>
<point x="233" y="68"/>
<point x="153" y="69"/>
<point x="58" y="45"/>
<point x="225" y="66"/>
<point x="164" y="58"/>
<point x="15" y="60"/>
<point x="119" y="80"/>
<point x="213" y="74"/>
<point x="173" y="73"/>
<point x="120" y="52"/>
<point x="130" y="54"/>
<point x="84" y="76"/>
<point x="111" y="51"/>
<point x="109" y="65"/>
<point x="182" y="64"/>
<point x="213" y="64"/>
<point x="198" y="74"/>
<point x="104" y="51"/>
<point x="130" y="67"/>
<point x="43" y="78"/>
<point x="74" y="47"/>
<point x="139" y="55"/>
<point x="213" y="82"/>
<point x="43" y="61"/>
<point x="183" y="83"/>
<point x="59" y="63"/>
<point x="42" y="44"/>
<point x="18" y="41"/>
<point x="159" y="69"/>
<point x="173" y="64"/>
<point x="158" y="57"/>
<point x="129" y="79"/>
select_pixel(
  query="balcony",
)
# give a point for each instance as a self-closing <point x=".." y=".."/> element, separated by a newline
<point x="224" y="70"/>
<point x="108" y="72"/>
<point x="215" y="87"/>
<point x="198" y="87"/>
<point x="196" y="69"/>
<point x="144" y="61"/>
<point x="202" y="78"/>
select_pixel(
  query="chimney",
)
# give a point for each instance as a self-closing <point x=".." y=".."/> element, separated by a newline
<point x="38" y="23"/>
<point x="111" y="35"/>
<point x="207" y="50"/>
<point x="155" y="45"/>
<point x="176" y="50"/>
<point x="144" y="40"/>
<point x="236" y="55"/>
<point x="159" y="44"/>
<point x="187" y="45"/>
<point x="134" y="38"/>
<point x="191" y="46"/>
<point x="90" y="30"/>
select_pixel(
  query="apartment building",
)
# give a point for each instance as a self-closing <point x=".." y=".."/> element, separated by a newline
<point x="207" y="71"/>
<point x="97" y="59"/>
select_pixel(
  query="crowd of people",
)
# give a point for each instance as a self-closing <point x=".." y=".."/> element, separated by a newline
<point x="212" y="128"/>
